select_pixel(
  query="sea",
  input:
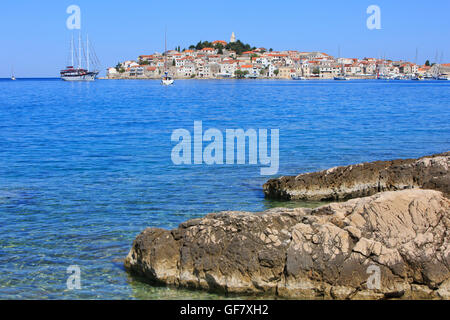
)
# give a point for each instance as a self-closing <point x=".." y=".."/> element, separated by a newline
<point x="85" y="167"/>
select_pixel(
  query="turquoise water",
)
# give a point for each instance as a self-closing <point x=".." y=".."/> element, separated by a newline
<point x="84" y="167"/>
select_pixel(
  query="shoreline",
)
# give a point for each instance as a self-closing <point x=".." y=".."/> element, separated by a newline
<point x="283" y="79"/>
<point x="321" y="253"/>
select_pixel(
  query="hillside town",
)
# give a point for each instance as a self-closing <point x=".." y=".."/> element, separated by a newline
<point x="220" y="59"/>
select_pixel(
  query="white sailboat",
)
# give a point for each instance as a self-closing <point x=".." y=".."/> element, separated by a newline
<point x="417" y="76"/>
<point x="438" y="75"/>
<point x="441" y="76"/>
<point x="13" y="77"/>
<point x="166" y="80"/>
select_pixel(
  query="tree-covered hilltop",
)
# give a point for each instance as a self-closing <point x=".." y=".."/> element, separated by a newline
<point x="237" y="46"/>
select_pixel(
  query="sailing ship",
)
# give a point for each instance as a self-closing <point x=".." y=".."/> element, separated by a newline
<point x="166" y="80"/>
<point x="80" y="73"/>
<point x="13" y="77"/>
<point x="437" y="74"/>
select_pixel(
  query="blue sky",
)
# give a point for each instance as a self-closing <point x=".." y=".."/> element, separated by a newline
<point x="35" y="40"/>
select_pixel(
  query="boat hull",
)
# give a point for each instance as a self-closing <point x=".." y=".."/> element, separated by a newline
<point x="341" y="78"/>
<point x="167" y="82"/>
<point x="86" y="77"/>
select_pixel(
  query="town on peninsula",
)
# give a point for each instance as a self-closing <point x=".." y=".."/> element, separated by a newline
<point x="234" y="59"/>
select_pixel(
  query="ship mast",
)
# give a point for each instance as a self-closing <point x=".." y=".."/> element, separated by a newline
<point x="87" y="53"/>
<point x="71" y="50"/>
<point x="79" y="50"/>
<point x="165" y="49"/>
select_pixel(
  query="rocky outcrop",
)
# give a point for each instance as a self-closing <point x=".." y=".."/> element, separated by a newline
<point x="365" y="179"/>
<point x="392" y="244"/>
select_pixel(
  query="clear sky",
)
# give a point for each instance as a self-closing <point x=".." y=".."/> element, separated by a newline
<point x="34" y="38"/>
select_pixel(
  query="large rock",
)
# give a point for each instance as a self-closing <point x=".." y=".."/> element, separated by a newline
<point x="327" y="252"/>
<point x="365" y="179"/>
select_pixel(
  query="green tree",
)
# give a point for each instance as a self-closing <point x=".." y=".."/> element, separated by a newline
<point x="270" y="50"/>
<point x="240" y="74"/>
<point x="316" y="70"/>
<point x="276" y="72"/>
<point x="238" y="47"/>
<point x="219" y="48"/>
<point x="119" y="68"/>
<point x="427" y="63"/>
<point x="205" y="44"/>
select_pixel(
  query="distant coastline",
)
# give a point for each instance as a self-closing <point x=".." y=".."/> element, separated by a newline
<point x="224" y="60"/>
<point x="366" y="77"/>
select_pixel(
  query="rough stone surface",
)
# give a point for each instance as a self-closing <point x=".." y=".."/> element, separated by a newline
<point x="309" y="253"/>
<point x="365" y="179"/>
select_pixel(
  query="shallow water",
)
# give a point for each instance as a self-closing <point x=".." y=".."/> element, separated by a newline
<point x="84" y="167"/>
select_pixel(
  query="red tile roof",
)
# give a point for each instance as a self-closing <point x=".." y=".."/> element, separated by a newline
<point x="219" y="41"/>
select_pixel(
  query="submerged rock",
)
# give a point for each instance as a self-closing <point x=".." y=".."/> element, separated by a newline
<point x="334" y="251"/>
<point x="365" y="179"/>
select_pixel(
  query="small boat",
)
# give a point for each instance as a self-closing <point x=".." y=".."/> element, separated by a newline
<point x="418" y="78"/>
<point x="166" y="80"/>
<point x="13" y="77"/>
<point x="444" y="78"/>
<point x="298" y="78"/>
<point x="341" y="78"/>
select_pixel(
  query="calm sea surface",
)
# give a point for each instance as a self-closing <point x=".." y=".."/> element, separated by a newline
<point x="84" y="167"/>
